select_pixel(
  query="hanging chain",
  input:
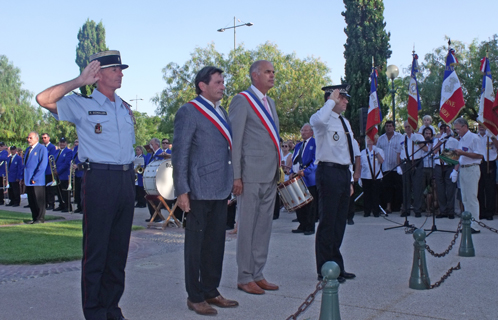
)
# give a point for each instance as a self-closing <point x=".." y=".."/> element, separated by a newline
<point x="440" y="255"/>
<point x="309" y="300"/>
<point x="485" y="226"/>
<point x="446" y="275"/>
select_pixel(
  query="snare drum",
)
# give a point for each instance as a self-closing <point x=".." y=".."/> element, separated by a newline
<point x="158" y="179"/>
<point x="294" y="193"/>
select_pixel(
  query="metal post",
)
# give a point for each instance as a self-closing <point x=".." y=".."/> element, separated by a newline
<point x="466" y="244"/>
<point x="419" y="278"/>
<point x="393" y="92"/>
<point x="329" y="309"/>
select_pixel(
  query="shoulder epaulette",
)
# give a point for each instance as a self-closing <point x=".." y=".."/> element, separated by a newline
<point x="82" y="95"/>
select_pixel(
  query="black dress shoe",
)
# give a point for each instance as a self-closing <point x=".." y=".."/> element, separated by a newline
<point x="308" y="233"/>
<point x="418" y="215"/>
<point x="295" y="220"/>
<point x="8" y="205"/>
<point x="26" y="206"/>
<point x="404" y="214"/>
<point x="347" y="275"/>
<point x="147" y="220"/>
<point x="15" y="205"/>
<point x="297" y="231"/>
<point x="489" y="218"/>
<point x="78" y="210"/>
<point x="340" y="278"/>
<point x="50" y="207"/>
<point x="350" y="222"/>
<point x="58" y="209"/>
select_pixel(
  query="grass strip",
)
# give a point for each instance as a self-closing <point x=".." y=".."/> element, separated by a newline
<point x="13" y="217"/>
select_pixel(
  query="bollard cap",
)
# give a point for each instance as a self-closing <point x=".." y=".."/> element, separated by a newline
<point x="419" y="235"/>
<point x="330" y="270"/>
<point x="466" y="215"/>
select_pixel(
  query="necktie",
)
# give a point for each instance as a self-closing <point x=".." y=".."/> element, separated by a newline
<point x="58" y="155"/>
<point x="27" y="154"/>
<point x="267" y="107"/>
<point x="299" y="157"/>
<point x="350" y="142"/>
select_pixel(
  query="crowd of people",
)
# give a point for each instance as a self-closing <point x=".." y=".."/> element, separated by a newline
<point x="227" y="166"/>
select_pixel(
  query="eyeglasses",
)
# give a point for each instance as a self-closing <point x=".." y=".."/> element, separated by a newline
<point x="285" y="146"/>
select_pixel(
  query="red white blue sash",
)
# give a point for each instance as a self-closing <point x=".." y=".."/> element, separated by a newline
<point x="265" y="118"/>
<point x="208" y="111"/>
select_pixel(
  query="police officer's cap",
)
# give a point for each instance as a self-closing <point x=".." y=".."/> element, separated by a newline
<point x="343" y="89"/>
<point x="13" y="148"/>
<point x="62" y="139"/>
<point x="107" y="59"/>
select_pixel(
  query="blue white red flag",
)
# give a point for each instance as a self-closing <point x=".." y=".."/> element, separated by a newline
<point x="487" y="116"/>
<point x="451" y="92"/>
<point x="413" y="106"/>
<point x="374" y="114"/>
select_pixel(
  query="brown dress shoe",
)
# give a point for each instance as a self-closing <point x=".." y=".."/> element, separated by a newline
<point x="251" y="288"/>
<point x="202" y="308"/>
<point x="221" y="302"/>
<point x="265" y="285"/>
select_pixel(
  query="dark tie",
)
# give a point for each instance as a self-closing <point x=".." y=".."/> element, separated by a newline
<point x="60" y="151"/>
<point x="299" y="157"/>
<point x="27" y="154"/>
<point x="350" y="142"/>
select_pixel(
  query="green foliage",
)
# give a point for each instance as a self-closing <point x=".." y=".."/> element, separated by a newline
<point x="297" y="90"/>
<point x="91" y="39"/>
<point x="366" y="38"/>
<point x="146" y="128"/>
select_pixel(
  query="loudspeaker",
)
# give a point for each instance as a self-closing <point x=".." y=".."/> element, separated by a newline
<point x="363" y="112"/>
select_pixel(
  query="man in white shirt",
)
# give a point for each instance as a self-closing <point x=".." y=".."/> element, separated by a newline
<point x="410" y="154"/>
<point x="471" y="153"/>
<point x="487" y="182"/>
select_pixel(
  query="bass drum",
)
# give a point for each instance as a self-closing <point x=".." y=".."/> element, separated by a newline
<point x="158" y="179"/>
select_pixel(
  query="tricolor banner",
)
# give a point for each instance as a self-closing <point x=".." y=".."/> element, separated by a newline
<point x="374" y="114"/>
<point x="487" y="117"/>
<point x="451" y="92"/>
<point x="413" y="96"/>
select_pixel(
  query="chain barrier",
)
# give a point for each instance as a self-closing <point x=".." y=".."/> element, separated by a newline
<point x="309" y="300"/>
<point x="445" y="276"/>
<point x="485" y="226"/>
<point x="440" y="255"/>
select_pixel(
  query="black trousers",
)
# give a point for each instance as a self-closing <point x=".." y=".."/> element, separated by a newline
<point x="307" y="214"/>
<point x="204" y="248"/>
<point x="413" y="182"/>
<point x="14" y="193"/>
<point x="371" y="196"/>
<point x="392" y="186"/>
<point x="64" y="201"/>
<point x="77" y="192"/>
<point x="231" y="210"/>
<point x="487" y="190"/>
<point x="108" y="206"/>
<point x="445" y="189"/>
<point x="276" y="208"/>
<point x="36" y="201"/>
<point x="140" y="198"/>
<point x="334" y="186"/>
<point x="49" y="191"/>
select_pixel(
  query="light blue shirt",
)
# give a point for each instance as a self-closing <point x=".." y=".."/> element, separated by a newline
<point x="114" y="145"/>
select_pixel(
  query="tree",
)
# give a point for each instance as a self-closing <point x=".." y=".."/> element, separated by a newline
<point x="366" y="38"/>
<point x="91" y="39"/>
<point x="18" y="117"/>
<point x="297" y="90"/>
<point x="146" y="128"/>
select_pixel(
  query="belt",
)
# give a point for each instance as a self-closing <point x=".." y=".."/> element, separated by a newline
<point x="333" y="165"/>
<point x="104" y="166"/>
<point x="469" y="165"/>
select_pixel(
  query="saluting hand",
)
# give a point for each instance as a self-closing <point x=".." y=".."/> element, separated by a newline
<point x="89" y="74"/>
<point x="335" y="96"/>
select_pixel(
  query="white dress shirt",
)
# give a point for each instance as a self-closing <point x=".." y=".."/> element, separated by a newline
<point x="390" y="148"/>
<point x="492" y="149"/>
<point x="365" y="167"/>
<point x="407" y="148"/>
<point x="470" y="142"/>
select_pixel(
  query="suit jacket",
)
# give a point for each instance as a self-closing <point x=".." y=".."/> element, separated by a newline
<point x="255" y="158"/>
<point x="4" y="156"/>
<point x="51" y="152"/>
<point x="77" y="173"/>
<point x="154" y="157"/>
<point x="34" y="167"/>
<point x="15" y="168"/>
<point x="308" y="160"/>
<point x="62" y="163"/>
<point x="201" y="161"/>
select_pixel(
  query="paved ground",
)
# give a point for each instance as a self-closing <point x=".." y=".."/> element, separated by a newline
<point x="382" y="261"/>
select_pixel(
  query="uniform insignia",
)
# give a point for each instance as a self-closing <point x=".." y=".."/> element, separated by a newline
<point x="97" y="113"/>
<point x="336" y="136"/>
<point x="465" y="149"/>
<point x="311" y="148"/>
<point x="98" y="128"/>
<point x="35" y="153"/>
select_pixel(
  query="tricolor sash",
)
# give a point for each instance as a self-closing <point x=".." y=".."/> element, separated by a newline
<point x="265" y="118"/>
<point x="212" y="115"/>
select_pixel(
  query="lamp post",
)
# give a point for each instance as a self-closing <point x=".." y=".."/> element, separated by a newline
<point x="392" y="73"/>
<point x="136" y="102"/>
<point x="249" y="24"/>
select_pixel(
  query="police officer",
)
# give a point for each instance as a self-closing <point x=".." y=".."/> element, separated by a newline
<point x="105" y="127"/>
<point x="334" y="155"/>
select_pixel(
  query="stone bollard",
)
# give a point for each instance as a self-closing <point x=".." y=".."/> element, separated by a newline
<point x="420" y="276"/>
<point x="466" y="244"/>
<point x="330" y="297"/>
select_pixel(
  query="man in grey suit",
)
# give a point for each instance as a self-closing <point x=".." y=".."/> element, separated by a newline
<point x="256" y="159"/>
<point x="203" y="179"/>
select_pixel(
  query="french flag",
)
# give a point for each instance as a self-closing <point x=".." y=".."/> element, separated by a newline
<point x="487" y="117"/>
<point x="451" y="92"/>
<point x="374" y="114"/>
<point x="413" y="95"/>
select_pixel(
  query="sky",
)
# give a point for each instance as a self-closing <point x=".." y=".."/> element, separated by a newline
<point x="40" y="37"/>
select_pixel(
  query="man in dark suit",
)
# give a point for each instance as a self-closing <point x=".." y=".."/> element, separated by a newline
<point x="203" y="179"/>
<point x="15" y="175"/>
<point x="63" y="163"/>
<point x="303" y="163"/>
<point x="35" y="163"/>
<point x="49" y="191"/>
<point x="256" y="160"/>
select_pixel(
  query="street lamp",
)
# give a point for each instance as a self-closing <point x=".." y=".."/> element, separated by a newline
<point x="392" y="73"/>
<point x="249" y="24"/>
<point x="136" y="102"/>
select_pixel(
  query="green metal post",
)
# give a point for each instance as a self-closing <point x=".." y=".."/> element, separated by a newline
<point x="330" y="298"/>
<point x="466" y="244"/>
<point x="419" y="278"/>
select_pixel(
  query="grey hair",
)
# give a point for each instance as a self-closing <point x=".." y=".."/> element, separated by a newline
<point x="156" y="141"/>
<point x="462" y="122"/>
<point x="255" y="68"/>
